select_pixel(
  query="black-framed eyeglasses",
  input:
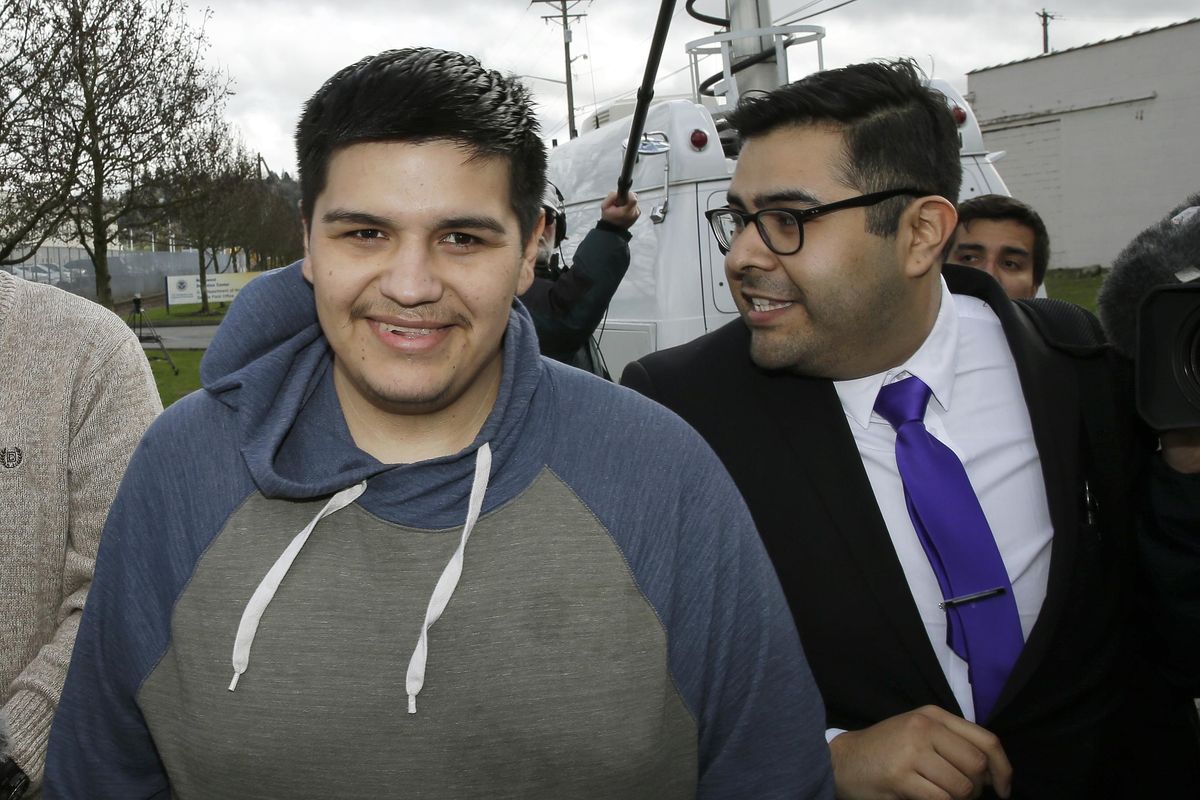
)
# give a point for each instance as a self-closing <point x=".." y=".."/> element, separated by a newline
<point x="782" y="229"/>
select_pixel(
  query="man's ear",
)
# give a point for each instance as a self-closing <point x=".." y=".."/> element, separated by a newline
<point x="306" y="265"/>
<point x="529" y="254"/>
<point x="925" y="228"/>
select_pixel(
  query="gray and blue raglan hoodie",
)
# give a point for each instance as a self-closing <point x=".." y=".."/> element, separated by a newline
<point x="575" y="606"/>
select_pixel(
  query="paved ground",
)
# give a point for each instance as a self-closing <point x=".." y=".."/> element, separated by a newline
<point x="194" y="337"/>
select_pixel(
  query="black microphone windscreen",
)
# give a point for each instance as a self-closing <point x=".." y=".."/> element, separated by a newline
<point x="1152" y="259"/>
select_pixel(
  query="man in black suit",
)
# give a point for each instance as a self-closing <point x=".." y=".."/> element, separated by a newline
<point x="838" y="214"/>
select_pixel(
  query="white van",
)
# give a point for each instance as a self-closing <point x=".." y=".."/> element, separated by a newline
<point x="675" y="289"/>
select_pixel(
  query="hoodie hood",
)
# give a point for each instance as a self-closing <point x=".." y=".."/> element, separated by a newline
<point x="270" y="365"/>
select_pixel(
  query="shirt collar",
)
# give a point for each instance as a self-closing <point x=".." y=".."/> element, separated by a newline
<point x="934" y="362"/>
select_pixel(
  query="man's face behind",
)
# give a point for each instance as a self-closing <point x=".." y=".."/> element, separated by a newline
<point x="415" y="255"/>
<point x="823" y="310"/>
<point x="1003" y="248"/>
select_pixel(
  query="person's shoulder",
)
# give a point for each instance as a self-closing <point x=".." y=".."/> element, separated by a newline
<point x="69" y="317"/>
<point x="704" y="354"/>
<point x="1064" y="325"/>
<point x="197" y="423"/>
<point x="593" y="409"/>
<point x="629" y="458"/>
<point x="1061" y="325"/>
<point x="191" y="449"/>
<point x="580" y="395"/>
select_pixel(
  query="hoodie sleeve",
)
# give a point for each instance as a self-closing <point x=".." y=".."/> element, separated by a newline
<point x="737" y="657"/>
<point x="733" y="649"/>
<point x="100" y="745"/>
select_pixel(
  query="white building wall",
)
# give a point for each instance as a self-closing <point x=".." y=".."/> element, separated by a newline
<point x="1101" y="140"/>
<point x="1031" y="170"/>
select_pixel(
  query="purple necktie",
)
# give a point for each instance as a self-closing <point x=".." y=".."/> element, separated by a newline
<point x="984" y="628"/>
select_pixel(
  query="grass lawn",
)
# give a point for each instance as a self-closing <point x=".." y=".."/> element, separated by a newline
<point x="171" y="387"/>
<point x="1066" y="285"/>
<point x="187" y="314"/>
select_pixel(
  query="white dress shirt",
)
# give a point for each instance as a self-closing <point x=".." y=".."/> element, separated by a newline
<point x="978" y="411"/>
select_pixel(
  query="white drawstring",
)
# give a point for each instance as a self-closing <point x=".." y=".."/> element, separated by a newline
<point x="265" y="592"/>
<point x="442" y="591"/>
<point x="448" y="581"/>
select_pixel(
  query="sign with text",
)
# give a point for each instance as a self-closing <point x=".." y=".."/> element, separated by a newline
<point x="222" y="287"/>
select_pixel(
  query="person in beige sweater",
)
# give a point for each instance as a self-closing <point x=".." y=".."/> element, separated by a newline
<point x="76" y="395"/>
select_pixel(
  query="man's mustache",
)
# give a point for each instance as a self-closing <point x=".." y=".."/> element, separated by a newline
<point x="424" y="315"/>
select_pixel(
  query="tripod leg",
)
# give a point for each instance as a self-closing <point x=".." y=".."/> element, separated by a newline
<point x="143" y="322"/>
<point x="167" y="355"/>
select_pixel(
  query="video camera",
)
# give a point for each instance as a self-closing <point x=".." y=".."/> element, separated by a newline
<point x="1150" y="308"/>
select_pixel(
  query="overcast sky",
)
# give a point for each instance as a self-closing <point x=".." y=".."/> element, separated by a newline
<point x="278" y="52"/>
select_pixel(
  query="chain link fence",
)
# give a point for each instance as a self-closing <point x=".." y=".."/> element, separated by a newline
<point x="130" y="271"/>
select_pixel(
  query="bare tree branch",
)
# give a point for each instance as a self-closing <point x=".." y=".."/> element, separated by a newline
<point x="39" y="147"/>
<point x="110" y="123"/>
<point x="139" y="86"/>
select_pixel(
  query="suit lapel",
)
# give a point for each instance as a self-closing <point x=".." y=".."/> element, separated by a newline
<point x="1051" y="394"/>
<point x="821" y="449"/>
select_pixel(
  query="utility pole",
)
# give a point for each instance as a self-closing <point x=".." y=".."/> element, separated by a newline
<point x="565" y="19"/>
<point x="1045" y="17"/>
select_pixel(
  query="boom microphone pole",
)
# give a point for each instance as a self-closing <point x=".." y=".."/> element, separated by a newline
<point x="644" y="95"/>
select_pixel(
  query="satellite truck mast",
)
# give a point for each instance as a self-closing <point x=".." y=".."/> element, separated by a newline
<point x="747" y="15"/>
<point x="753" y="53"/>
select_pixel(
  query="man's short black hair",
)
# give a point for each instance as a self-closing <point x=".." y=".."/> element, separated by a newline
<point x="1000" y="207"/>
<point x="897" y="132"/>
<point x="424" y="95"/>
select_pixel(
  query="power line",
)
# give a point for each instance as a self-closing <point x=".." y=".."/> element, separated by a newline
<point x="630" y="92"/>
<point x="565" y="19"/>
<point x="818" y="13"/>
<point x="587" y="35"/>
<point x="633" y="91"/>
<point x="802" y="8"/>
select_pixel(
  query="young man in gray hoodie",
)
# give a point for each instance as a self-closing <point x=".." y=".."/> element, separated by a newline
<point x="390" y="551"/>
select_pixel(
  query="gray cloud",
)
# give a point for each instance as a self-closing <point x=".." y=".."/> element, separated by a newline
<point x="279" y="52"/>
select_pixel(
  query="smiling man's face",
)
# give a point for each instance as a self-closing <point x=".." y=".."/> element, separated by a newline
<point x="831" y="308"/>
<point x="415" y="254"/>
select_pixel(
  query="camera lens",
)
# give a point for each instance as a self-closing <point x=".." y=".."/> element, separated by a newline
<point x="1194" y="360"/>
<point x="1187" y="353"/>
<point x="1168" y="357"/>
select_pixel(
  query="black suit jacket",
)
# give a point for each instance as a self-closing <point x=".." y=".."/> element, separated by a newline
<point x="788" y="446"/>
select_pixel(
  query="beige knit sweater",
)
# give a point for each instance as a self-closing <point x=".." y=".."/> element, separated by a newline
<point x="76" y="394"/>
